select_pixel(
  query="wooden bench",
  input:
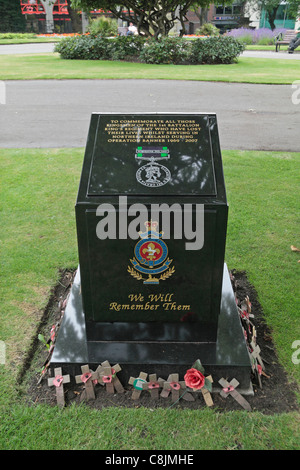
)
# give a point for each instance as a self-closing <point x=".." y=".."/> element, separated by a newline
<point x="284" y="38"/>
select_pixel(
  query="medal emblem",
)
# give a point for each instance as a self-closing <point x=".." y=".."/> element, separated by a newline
<point x="153" y="174"/>
<point x="151" y="257"/>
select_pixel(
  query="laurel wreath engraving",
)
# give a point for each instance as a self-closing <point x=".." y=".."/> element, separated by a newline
<point x="134" y="273"/>
<point x="167" y="273"/>
<point x="163" y="276"/>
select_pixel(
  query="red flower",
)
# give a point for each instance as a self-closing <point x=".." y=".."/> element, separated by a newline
<point x="194" y="379"/>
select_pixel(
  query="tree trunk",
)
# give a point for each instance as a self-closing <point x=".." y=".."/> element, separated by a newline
<point x="48" y="6"/>
<point x="156" y="21"/>
<point x="203" y="16"/>
<point x="75" y="18"/>
<point x="271" y="14"/>
<point x="201" y="13"/>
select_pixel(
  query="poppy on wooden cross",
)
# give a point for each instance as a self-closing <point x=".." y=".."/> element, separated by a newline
<point x="57" y="381"/>
<point x="229" y="388"/>
<point x="107" y="375"/>
<point x="87" y="378"/>
<point x="153" y="385"/>
<point x="174" y="386"/>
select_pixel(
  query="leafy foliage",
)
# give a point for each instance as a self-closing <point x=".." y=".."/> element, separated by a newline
<point x="271" y="7"/>
<point x="165" y="50"/>
<point x="155" y="18"/>
<point x="11" y="18"/>
<point x="124" y="47"/>
<point x="261" y="36"/>
<point x="99" y="48"/>
<point x="216" y="50"/>
<point x="17" y="36"/>
<point x="104" y="27"/>
<point x="208" y="29"/>
<point x="83" y="47"/>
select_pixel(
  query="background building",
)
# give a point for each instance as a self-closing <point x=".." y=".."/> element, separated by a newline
<point x="44" y="17"/>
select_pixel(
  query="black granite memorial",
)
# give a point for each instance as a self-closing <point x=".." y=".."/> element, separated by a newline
<point x="152" y="290"/>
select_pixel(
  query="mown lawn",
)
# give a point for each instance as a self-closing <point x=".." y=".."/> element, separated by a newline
<point x="38" y="193"/>
<point x="50" y="66"/>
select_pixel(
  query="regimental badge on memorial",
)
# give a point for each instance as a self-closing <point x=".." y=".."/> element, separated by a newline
<point x="151" y="257"/>
<point x="153" y="174"/>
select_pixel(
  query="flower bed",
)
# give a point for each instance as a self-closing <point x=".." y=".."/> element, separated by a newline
<point x="63" y="35"/>
<point x="261" y="36"/>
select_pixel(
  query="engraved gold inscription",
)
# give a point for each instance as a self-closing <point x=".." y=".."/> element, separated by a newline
<point x="150" y="302"/>
<point x="152" y="131"/>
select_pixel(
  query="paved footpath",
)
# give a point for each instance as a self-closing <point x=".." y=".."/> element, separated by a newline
<point x="56" y="113"/>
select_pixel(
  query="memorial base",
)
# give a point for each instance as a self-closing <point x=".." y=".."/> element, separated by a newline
<point x="227" y="358"/>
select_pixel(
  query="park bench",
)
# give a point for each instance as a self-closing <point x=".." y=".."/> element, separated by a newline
<point x="284" y="38"/>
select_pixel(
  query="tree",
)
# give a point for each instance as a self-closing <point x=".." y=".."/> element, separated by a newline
<point x="75" y="18"/>
<point x="48" y="7"/>
<point x="200" y="12"/>
<point x="271" y="8"/>
<point x="11" y="18"/>
<point x="152" y="18"/>
<point x="294" y="8"/>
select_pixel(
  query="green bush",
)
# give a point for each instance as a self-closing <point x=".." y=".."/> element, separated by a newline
<point x="246" y="39"/>
<point x="83" y="48"/>
<point x="208" y="29"/>
<point x="165" y="50"/>
<point x="99" y="48"/>
<point x="126" y="47"/>
<point x="215" y="50"/>
<point x="11" y="18"/>
<point x="104" y="27"/>
<point x="17" y="35"/>
<point x="265" y="41"/>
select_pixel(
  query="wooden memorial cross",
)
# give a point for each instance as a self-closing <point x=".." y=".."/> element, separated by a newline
<point x="246" y="306"/>
<point x="257" y="362"/>
<point x="107" y="375"/>
<point x="229" y="388"/>
<point x="153" y="385"/>
<point x="173" y="385"/>
<point x="87" y="378"/>
<point x="206" y="394"/>
<point x="58" y="380"/>
<point x="138" y="385"/>
<point x="256" y="354"/>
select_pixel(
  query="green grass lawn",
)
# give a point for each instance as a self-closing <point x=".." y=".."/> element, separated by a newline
<point x="50" y="66"/>
<point x="38" y="236"/>
<point x="36" y="40"/>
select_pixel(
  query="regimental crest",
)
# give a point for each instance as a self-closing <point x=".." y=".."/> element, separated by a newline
<point x="151" y="263"/>
<point x="153" y="174"/>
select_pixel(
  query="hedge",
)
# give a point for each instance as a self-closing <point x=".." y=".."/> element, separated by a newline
<point x="165" y="51"/>
<point x="216" y="50"/>
<point x="213" y="50"/>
